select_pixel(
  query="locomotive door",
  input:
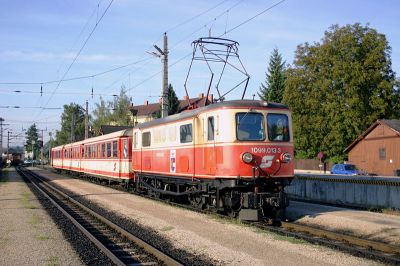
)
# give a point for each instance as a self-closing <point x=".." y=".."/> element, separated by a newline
<point x="210" y="149"/>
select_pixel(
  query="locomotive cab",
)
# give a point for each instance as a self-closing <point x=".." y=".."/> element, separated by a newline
<point x="234" y="157"/>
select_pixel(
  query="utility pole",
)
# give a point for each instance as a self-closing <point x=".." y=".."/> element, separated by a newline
<point x="8" y="141"/>
<point x="163" y="54"/>
<point x="1" y="136"/>
<point x="87" y="120"/>
<point x="42" y="146"/>
<point x="164" y="59"/>
<point x="50" y="147"/>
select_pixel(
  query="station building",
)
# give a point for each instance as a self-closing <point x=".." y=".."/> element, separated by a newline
<point x="377" y="150"/>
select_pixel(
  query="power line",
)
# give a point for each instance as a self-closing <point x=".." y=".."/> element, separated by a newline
<point x="79" y="52"/>
<point x="253" y="17"/>
<point x="230" y="30"/>
<point x="76" y="78"/>
<point x="83" y="29"/>
<point x="209" y="22"/>
<point x="196" y="16"/>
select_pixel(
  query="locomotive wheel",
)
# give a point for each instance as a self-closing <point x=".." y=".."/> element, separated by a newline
<point x="196" y="200"/>
<point x="232" y="213"/>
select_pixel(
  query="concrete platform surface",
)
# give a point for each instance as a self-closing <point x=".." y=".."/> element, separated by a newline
<point x="28" y="235"/>
<point x="370" y="225"/>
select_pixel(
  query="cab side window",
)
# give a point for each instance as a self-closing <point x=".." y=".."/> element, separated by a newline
<point x="186" y="133"/>
<point x="210" y="128"/>
<point x="146" y="139"/>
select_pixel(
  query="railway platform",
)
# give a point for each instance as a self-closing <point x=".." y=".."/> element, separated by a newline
<point x="28" y="235"/>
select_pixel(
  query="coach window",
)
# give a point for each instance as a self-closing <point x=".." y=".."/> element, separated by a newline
<point x="108" y="149"/>
<point x="250" y="126"/>
<point x="125" y="147"/>
<point x="186" y="133"/>
<point x="210" y="128"/>
<point x="146" y="139"/>
<point x="103" y="150"/>
<point x="278" y="127"/>
<point x="115" y="149"/>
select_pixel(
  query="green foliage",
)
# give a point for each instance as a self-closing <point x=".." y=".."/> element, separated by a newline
<point x="301" y="155"/>
<point x="73" y="118"/>
<point x="115" y="112"/>
<point x="121" y="115"/>
<point x="337" y="159"/>
<point x="173" y="103"/>
<point x="32" y="137"/>
<point x="101" y="114"/>
<point x="338" y="87"/>
<point x="274" y="86"/>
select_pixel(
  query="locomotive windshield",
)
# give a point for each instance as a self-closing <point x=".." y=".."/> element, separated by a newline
<point x="278" y="127"/>
<point x="250" y="126"/>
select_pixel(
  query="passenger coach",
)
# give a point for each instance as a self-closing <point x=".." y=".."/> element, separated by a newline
<point x="108" y="156"/>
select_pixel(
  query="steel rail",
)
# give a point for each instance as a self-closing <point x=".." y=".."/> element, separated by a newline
<point x="103" y="248"/>
<point x="357" y="241"/>
<point x="347" y="243"/>
<point x="147" y="247"/>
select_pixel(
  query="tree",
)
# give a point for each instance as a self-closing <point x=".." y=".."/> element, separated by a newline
<point x="101" y="114"/>
<point x="274" y="86"/>
<point x="72" y="124"/>
<point x="115" y="112"/>
<point x="173" y="102"/>
<point x="121" y="114"/>
<point x="32" y="140"/>
<point x="338" y="87"/>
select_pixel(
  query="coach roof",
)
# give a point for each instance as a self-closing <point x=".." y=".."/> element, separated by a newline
<point x="220" y="105"/>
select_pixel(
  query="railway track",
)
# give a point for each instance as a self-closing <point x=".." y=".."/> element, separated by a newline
<point x="347" y="243"/>
<point x="120" y="246"/>
<point x="357" y="246"/>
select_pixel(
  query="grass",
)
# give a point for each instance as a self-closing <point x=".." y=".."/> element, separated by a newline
<point x="42" y="237"/>
<point x="290" y="239"/>
<point x="52" y="261"/>
<point x="34" y="220"/>
<point x="25" y="200"/>
<point x="167" y="228"/>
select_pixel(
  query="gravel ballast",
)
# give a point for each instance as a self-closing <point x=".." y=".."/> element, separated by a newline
<point x="208" y="240"/>
<point x="28" y="236"/>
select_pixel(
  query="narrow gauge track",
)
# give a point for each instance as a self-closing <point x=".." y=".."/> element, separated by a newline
<point x="350" y="244"/>
<point x="357" y="246"/>
<point x="117" y="244"/>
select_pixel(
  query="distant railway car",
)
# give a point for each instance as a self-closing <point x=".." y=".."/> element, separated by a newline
<point x="108" y="156"/>
<point x="234" y="156"/>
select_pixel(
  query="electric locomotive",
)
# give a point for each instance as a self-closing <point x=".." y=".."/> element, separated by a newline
<point x="234" y="157"/>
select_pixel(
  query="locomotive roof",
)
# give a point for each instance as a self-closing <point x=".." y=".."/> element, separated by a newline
<point x="220" y="105"/>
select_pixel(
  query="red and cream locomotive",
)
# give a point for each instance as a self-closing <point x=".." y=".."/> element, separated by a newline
<point x="233" y="156"/>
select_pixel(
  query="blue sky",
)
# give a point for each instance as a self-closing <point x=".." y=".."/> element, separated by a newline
<point x="39" y="40"/>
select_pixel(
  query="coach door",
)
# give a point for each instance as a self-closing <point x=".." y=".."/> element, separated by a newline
<point x="210" y="152"/>
<point x="124" y="155"/>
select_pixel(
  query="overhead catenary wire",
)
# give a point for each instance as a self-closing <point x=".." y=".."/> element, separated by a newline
<point x="120" y="67"/>
<point x="230" y="30"/>
<point x="79" y="52"/>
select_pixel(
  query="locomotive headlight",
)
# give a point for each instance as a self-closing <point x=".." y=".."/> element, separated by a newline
<point x="247" y="157"/>
<point x="286" y="157"/>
